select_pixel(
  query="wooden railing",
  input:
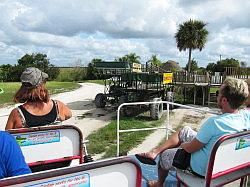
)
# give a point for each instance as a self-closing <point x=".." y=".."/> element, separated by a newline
<point x="185" y="77"/>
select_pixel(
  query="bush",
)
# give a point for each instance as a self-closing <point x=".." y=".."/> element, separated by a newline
<point x="72" y="74"/>
<point x="11" y="73"/>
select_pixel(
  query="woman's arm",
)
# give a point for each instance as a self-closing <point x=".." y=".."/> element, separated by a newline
<point x="12" y="120"/>
<point x="64" y="111"/>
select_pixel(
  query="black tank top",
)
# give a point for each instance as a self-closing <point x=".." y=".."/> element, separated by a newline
<point x="35" y="121"/>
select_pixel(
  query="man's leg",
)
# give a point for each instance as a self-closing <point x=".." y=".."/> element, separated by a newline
<point x="162" y="175"/>
<point x="164" y="165"/>
<point x="186" y="134"/>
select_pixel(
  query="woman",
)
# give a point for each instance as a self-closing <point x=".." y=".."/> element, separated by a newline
<point x="38" y="109"/>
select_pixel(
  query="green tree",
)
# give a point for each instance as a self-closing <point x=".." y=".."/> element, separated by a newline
<point x="243" y="64"/>
<point x="95" y="60"/>
<point x="191" y="35"/>
<point x="6" y="73"/>
<point x="131" y="58"/>
<point x="222" y="64"/>
<point x="211" y="67"/>
<point x="39" y="61"/>
<point x="193" y="65"/>
<point x="91" y="70"/>
<point x="155" y="61"/>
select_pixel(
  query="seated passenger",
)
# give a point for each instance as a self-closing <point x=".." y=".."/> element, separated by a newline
<point x="12" y="162"/>
<point x="38" y="109"/>
<point x="232" y="94"/>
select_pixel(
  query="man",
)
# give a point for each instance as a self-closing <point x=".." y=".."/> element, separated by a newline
<point x="12" y="162"/>
<point x="232" y="94"/>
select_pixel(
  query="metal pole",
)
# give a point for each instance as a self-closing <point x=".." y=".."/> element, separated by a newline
<point x="118" y="130"/>
<point x="168" y="116"/>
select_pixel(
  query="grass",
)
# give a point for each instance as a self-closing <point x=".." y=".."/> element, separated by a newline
<point x="214" y="89"/>
<point x="104" y="139"/>
<point x="95" y="81"/>
<point x="54" y="87"/>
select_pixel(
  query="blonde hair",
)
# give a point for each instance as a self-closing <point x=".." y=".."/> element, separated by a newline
<point x="33" y="94"/>
<point x="236" y="92"/>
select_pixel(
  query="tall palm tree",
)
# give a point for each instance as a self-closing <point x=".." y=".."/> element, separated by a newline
<point x="191" y="35"/>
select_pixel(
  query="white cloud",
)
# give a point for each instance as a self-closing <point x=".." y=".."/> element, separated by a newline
<point x="83" y="29"/>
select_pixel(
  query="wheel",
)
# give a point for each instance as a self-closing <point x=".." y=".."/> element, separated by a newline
<point x="130" y="111"/>
<point x="156" y="110"/>
<point x="123" y="99"/>
<point x="100" y="100"/>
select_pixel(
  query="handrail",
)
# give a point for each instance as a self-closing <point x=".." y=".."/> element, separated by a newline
<point x="153" y="128"/>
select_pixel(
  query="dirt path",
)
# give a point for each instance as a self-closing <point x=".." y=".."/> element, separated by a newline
<point x="178" y="118"/>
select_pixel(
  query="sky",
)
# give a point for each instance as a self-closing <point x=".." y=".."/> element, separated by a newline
<point x="70" y="32"/>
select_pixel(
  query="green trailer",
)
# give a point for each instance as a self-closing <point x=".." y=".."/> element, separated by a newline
<point x="122" y="85"/>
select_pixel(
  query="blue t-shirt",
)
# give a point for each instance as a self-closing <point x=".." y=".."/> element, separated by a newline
<point x="211" y="131"/>
<point x="12" y="161"/>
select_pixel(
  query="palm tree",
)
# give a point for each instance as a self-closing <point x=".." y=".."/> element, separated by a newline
<point x="133" y="58"/>
<point x="191" y="35"/>
<point x="155" y="61"/>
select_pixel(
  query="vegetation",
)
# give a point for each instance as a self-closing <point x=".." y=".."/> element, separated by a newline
<point x="193" y="65"/>
<point x="155" y="61"/>
<point x="191" y="35"/>
<point x="104" y="139"/>
<point x="131" y="58"/>
<point x="72" y="74"/>
<point x="91" y="70"/>
<point x="11" y="73"/>
<point x="95" y="81"/>
<point x="54" y="87"/>
<point x="222" y="64"/>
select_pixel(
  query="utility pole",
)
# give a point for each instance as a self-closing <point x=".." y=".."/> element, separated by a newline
<point x="220" y="57"/>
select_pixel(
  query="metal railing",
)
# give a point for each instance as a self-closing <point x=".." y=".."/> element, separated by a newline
<point x="167" y="126"/>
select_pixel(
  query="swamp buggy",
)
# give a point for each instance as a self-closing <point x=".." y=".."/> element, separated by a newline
<point x="124" y="84"/>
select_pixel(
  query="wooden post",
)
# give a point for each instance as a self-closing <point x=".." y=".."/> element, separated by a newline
<point x="203" y="96"/>
<point x="194" y="94"/>
<point x="208" y="102"/>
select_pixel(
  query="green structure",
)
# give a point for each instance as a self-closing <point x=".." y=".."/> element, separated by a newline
<point x="123" y="85"/>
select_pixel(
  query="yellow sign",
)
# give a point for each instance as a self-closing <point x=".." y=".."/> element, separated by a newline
<point x="167" y="78"/>
<point x="136" y="67"/>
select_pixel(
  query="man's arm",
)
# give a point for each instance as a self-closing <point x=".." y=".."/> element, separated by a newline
<point x="13" y="158"/>
<point x="192" y="146"/>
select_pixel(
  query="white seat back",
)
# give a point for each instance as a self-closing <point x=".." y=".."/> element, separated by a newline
<point x="49" y="143"/>
<point x="232" y="154"/>
<point x="117" y="172"/>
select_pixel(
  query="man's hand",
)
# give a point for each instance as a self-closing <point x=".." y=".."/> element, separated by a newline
<point x="192" y="146"/>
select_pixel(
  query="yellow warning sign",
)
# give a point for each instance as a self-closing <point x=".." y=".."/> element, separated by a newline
<point x="167" y="78"/>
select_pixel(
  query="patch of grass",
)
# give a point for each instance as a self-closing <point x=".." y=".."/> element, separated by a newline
<point x="95" y="81"/>
<point x="214" y="89"/>
<point x="104" y="139"/>
<point x="54" y="87"/>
